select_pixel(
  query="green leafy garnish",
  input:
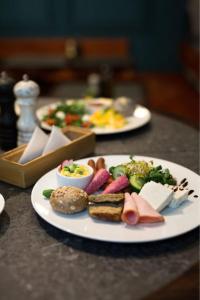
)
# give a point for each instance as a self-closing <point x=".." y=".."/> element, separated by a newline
<point x="72" y="167"/>
<point x="157" y="174"/>
<point x="75" y="108"/>
<point x="47" y="193"/>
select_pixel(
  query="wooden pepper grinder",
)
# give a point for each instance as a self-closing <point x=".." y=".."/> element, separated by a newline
<point x="8" y="118"/>
<point x="26" y="92"/>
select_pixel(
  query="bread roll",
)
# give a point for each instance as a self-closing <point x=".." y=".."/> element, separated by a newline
<point x="69" y="199"/>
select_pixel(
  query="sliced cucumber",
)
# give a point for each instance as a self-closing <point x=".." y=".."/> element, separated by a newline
<point x="136" y="182"/>
<point x="118" y="171"/>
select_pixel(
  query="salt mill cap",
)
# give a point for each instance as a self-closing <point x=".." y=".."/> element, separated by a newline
<point x="26" y="88"/>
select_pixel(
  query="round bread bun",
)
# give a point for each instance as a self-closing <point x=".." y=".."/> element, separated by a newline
<point x="69" y="199"/>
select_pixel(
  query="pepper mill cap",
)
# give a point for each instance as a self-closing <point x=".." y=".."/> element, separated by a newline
<point x="26" y="88"/>
<point x="5" y="79"/>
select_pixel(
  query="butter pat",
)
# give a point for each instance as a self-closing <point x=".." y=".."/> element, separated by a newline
<point x="157" y="195"/>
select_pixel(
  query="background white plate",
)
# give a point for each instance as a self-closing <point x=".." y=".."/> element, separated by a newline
<point x="177" y="221"/>
<point x="2" y="203"/>
<point x="141" y="116"/>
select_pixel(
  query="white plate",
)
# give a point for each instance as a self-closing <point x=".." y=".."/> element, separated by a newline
<point x="141" y="116"/>
<point x="177" y="221"/>
<point x="2" y="203"/>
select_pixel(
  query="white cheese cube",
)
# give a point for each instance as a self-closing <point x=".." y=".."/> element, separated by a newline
<point x="178" y="197"/>
<point x="158" y="195"/>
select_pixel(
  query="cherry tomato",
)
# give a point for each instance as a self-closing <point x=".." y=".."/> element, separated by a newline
<point x="86" y="124"/>
<point x="69" y="118"/>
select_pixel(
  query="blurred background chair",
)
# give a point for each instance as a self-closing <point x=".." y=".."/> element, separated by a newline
<point x="147" y="50"/>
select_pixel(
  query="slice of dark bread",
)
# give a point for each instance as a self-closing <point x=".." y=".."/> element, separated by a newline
<point x="101" y="198"/>
<point x="105" y="212"/>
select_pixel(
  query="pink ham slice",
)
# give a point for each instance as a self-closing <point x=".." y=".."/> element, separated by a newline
<point x="130" y="213"/>
<point x="147" y="213"/>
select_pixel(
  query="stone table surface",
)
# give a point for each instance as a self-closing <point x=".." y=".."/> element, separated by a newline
<point x="38" y="261"/>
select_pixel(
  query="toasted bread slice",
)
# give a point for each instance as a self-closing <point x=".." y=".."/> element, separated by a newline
<point x="101" y="198"/>
<point x="105" y="212"/>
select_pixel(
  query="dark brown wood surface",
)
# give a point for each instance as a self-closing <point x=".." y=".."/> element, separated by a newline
<point x="97" y="47"/>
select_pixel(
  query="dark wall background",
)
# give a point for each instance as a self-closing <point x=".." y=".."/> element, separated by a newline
<point x="155" y="27"/>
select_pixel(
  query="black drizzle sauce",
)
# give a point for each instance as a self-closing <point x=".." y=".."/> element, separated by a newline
<point x="190" y="192"/>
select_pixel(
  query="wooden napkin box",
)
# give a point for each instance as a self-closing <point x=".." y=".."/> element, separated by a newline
<point x="25" y="175"/>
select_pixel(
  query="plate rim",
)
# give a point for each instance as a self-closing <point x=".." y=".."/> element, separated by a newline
<point x="2" y="203"/>
<point x="115" y="241"/>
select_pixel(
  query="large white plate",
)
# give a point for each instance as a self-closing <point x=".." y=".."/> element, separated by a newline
<point x="177" y="221"/>
<point x="2" y="203"/>
<point x="141" y="116"/>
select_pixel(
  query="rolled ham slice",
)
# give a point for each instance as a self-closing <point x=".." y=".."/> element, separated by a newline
<point x="130" y="213"/>
<point x="146" y="212"/>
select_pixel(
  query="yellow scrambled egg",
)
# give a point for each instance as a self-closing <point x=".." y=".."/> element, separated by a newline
<point x="107" y="118"/>
<point x="78" y="171"/>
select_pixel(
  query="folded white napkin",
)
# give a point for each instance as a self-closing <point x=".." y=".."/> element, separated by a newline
<point x="35" y="146"/>
<point x="41" y="143"/>
<point x="56" y="140"/>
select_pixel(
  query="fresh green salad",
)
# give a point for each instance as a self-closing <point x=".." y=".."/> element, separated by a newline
<point x="140" y="172"/>
<point x="67" y="114"/>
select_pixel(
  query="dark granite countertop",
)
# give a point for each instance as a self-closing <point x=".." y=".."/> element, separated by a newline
<point x="38" y="261"/>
